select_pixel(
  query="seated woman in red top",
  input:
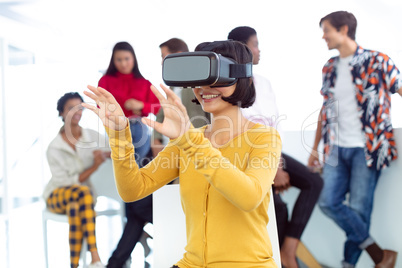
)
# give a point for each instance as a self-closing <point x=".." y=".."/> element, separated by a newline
<point x="132" y="91"/>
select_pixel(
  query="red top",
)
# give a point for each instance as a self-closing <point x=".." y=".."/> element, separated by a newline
<point x="126" y="86"/>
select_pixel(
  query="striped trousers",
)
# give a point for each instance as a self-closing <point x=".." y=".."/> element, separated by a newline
<point x="77" y="202"/>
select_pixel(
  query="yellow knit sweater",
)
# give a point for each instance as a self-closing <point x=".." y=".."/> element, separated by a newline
<point x="224" y="192"/>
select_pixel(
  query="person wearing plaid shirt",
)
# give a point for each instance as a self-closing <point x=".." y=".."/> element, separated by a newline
<point x="356" y="129"/>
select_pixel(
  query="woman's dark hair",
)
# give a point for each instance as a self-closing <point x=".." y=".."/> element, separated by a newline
<point x="175" y="45"/>
<point x="244" y="93"/>
<point x="112" y="70"/>
<point x="241" y="34"/>
<point x="63" y="100"/>
<point x="341" y="18"/>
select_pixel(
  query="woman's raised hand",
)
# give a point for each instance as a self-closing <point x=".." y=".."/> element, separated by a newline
<point x="107" y="109"/>
<point x="176" y="121"/>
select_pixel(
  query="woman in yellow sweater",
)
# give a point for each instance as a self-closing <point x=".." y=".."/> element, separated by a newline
<point x="226" y="168"/>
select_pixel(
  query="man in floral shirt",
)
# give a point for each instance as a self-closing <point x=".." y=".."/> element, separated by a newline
<point x="355" y="126"/>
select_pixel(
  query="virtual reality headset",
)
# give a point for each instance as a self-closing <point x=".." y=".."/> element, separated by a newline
<point x="203" y="68"/>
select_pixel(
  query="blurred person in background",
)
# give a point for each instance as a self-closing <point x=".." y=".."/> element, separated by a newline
<point x="73" y="156"/>
<point x="132" y="92"/>
<point x="291" y="172"/>
<point x="355" y="126"/>
<point x="197" y="115"/>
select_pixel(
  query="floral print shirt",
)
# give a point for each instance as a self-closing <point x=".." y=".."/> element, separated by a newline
<point x="375" y="77"/>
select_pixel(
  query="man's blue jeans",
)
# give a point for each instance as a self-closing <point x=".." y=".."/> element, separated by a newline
<point x="141" y="140"/>
<point x="345" y="171"/>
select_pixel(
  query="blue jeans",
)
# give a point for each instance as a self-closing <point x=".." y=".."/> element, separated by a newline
<point x="141" y="140"/>
<point x="345" y="171"/>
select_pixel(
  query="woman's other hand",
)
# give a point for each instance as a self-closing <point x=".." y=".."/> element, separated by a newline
<point x="134" y="105"/>
<point x="99" y="157"/>
<point x="107" y="109"/>
<point x="176" y="121"/>
<point x="281" y="181"/>
<point x="313" y="162"/>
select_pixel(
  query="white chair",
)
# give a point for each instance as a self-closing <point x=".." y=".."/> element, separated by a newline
<point x="108" y="203"/>
<point x="170" y="227"/>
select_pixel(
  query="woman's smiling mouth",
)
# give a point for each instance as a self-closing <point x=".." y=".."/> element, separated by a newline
<point x="208" y="97"/>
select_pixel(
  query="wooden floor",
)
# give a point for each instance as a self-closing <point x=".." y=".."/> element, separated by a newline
<point x="306" y="258"/>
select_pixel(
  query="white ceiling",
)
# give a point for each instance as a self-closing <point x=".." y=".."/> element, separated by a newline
<point x="48" y="26"/>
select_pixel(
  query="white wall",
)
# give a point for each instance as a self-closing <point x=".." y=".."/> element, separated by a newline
<point x="81" y="34"/>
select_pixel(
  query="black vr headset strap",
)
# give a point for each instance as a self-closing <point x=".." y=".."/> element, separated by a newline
<point x="241" y="70"/>
<point x="236" y="70"/>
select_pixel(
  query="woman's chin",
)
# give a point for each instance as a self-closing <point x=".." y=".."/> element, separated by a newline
<point x="206" y="108"/>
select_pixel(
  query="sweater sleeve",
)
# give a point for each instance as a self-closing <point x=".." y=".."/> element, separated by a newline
<point x="61" y="172"/>
<point x="102" y="82"/>
<point x="247" y="189"/>
<point x="151" y="103"/>
<point x="134" y="183"/>
<point x="392" y="76"/>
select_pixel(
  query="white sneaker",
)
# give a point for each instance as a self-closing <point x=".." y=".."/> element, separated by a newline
<point x="97" y="264"/>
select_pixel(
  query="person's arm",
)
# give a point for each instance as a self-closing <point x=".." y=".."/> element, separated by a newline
<point x="244" y="189"/>
<point x="134" y="183"/>
<point x="143" y="107"/>
<point x="282" y="179"/>
<point x="103" y="82"/>
<point x="391" y="75"/>
<point x="107" y="154"/>
<point x="156" y="147"/>
<point x="135" y="106"/>
<point x="87" y="173"/>
<point x="59" y="170"/>
<point x="99" y="158"/>
<point x="314" y="159"/>
<point x="157" y="138"/>
<point x="61" y="174"/>
<point x="247" y="189"/>
<point x="151" y="103"/>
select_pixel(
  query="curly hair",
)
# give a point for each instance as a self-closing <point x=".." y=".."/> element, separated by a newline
<point x="63" y="100"/>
